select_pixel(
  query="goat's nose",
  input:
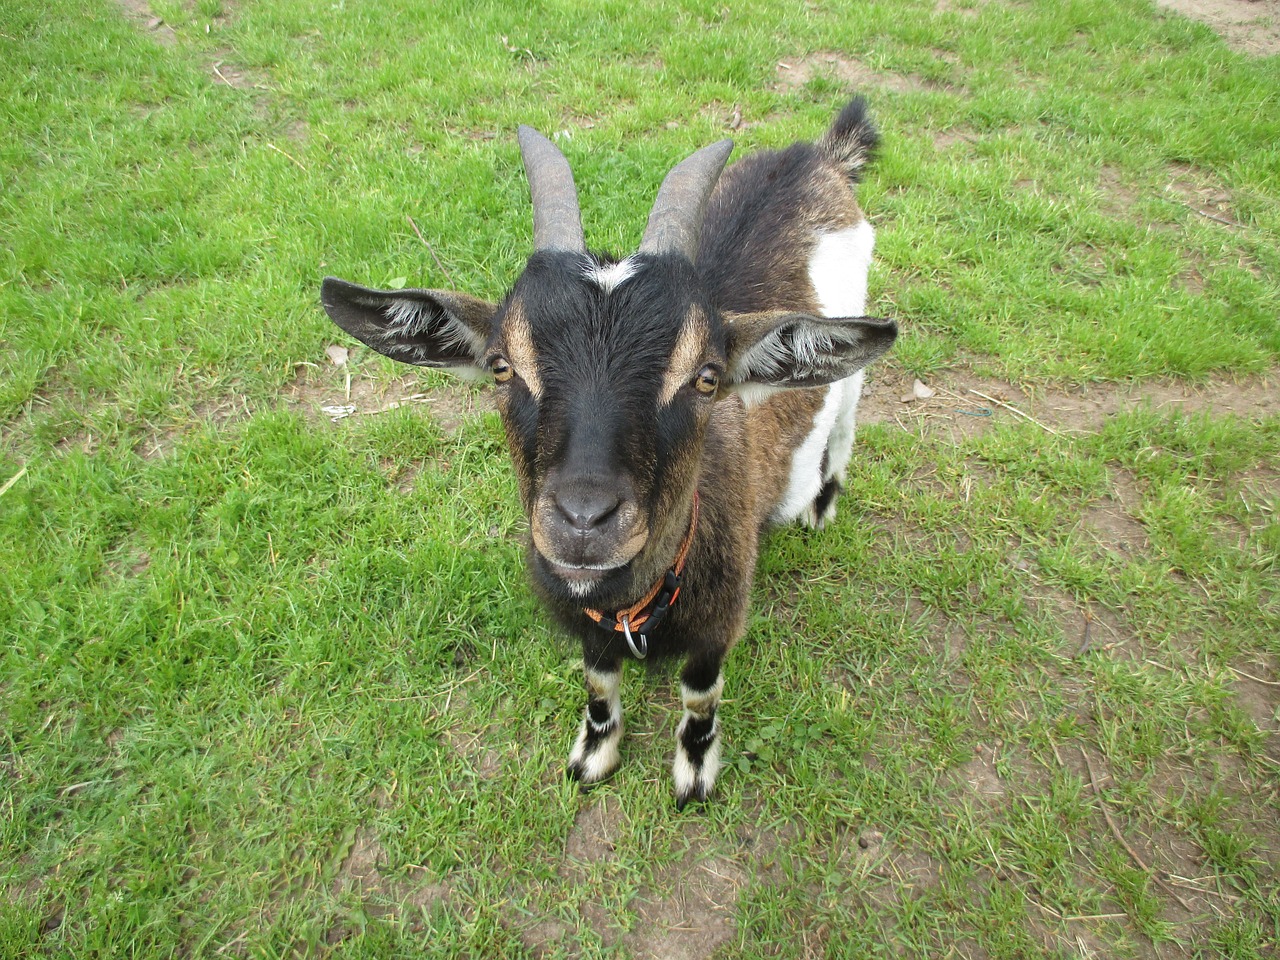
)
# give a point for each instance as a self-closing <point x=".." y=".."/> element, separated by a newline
<point x="587" y="510"/>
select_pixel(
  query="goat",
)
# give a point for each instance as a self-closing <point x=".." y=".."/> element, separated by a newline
<point x="662" y="409"/>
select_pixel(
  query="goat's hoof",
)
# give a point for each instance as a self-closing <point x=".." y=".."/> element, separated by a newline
<point x="589" y="771"/>
<point x="696" y="795"/>
<point x="586" y="778"/>
<point x="695" y="778"/>
<point x="595" y="757"/>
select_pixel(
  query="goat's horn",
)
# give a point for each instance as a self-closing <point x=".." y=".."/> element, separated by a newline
<point x="676" y="218"/>
<point x="557" y="221"/>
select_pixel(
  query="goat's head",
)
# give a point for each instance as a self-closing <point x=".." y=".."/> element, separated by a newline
<point x="607" y="371"/>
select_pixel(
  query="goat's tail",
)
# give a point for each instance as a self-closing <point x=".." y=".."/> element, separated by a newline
<point x="851" y="140"/>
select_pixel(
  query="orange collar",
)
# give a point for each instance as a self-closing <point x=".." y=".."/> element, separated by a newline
<point x="640" y="619"/>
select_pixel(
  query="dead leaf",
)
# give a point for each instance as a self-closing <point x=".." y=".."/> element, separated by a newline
<point x="336" y="354"/>
<point x="921" y="392"/>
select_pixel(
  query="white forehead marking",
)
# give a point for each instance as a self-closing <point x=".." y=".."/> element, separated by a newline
<point x="608" y="277"/>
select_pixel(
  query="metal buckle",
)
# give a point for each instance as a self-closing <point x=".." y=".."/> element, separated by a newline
<point x="639" y="652"/>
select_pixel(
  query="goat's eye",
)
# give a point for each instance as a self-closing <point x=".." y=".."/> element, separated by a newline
<point x="707" y="380"/>
<point x="501" y="370"/>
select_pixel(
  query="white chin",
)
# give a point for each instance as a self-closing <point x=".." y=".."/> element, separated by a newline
<point x="580" y="579"/>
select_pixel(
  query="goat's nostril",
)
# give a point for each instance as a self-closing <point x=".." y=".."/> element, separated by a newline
<point x="585" y="512"/>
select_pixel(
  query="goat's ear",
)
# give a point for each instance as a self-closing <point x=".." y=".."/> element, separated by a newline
<point x="428" y="328"/>
<point x="779" y="349"/>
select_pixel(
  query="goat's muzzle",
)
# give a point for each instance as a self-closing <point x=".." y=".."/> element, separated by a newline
<point x="587" y="526"/>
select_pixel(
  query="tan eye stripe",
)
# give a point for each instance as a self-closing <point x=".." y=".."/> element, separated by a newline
<point x="686" y="356"/>
<point x="520" y="351"/>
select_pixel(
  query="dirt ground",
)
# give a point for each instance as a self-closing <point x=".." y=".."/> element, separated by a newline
<point x="1250" y="26"/>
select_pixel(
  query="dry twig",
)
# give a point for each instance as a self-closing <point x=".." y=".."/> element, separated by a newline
<point x="1012" y="409"/>
<point x="430" y="250"/>
<point x="220" y="76"/>
<point x="1093" y="782"/>
<point x="272" y="146"/>
<point x="1238" y="673"/>
<point x="12" y="480"/>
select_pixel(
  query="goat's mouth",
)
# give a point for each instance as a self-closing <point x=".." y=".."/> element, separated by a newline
<point x="582" y="569"/>
<point x="581" y="583"/>
<point x="586" y="570"/>
<point x="581" y="573"/>
<point x="585" y="557"/>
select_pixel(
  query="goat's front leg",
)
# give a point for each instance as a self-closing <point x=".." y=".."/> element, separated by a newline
<point x="595" y="754"/>
<point x="698" y="737"/>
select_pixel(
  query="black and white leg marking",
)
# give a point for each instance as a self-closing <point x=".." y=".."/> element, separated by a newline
<point x="595" y="754"/>
<point x="698" y="737"/>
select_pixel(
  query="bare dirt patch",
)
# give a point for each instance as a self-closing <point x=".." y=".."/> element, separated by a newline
<point x="1257" y="690"/>
<point x="979" y="778"/>
<point x="870" y="853"/>
<point x="965" y="403"/>
<point x="1118" y="197"/>
<point x="1199" y="191"/>
<point x="1250" y="26"/>
<point x="234" y="75"/>
<point x="359" y="869"/>
<point x="322" y="392"/>
<point x="944" y="140"/>
<point x="688" y="913"/>
<point x="1085" y="625"/>
<point x="795" y="72"/>
<point x="130" y="561"/>
<point x="360" y="873"/>
<point x="1111" y="521"/>
<point x="594" y="833"/>
<point x="141" y="12"/>
<point x="685" y="910"/>
<point x="971" y="9"/>
<point x="161" y="440"/>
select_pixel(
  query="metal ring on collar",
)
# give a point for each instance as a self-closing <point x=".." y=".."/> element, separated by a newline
<point x="642" y="650"/>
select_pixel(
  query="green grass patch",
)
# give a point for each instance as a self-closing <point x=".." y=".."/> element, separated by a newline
<point x="272" y="685"/>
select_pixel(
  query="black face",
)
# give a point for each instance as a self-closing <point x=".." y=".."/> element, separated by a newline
<point x="606" y="375"/>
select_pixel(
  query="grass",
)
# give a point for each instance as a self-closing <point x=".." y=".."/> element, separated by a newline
<point x="274" y="686"/>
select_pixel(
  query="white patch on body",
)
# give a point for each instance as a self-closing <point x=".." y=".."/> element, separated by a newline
<point x="754" y="393"/>
<point x="608" y="277"/>
<point x="840" y="444"/>
<point x="838" y="271"/>
<point x="806" y="461"/>
<point x="702" y="702"/>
